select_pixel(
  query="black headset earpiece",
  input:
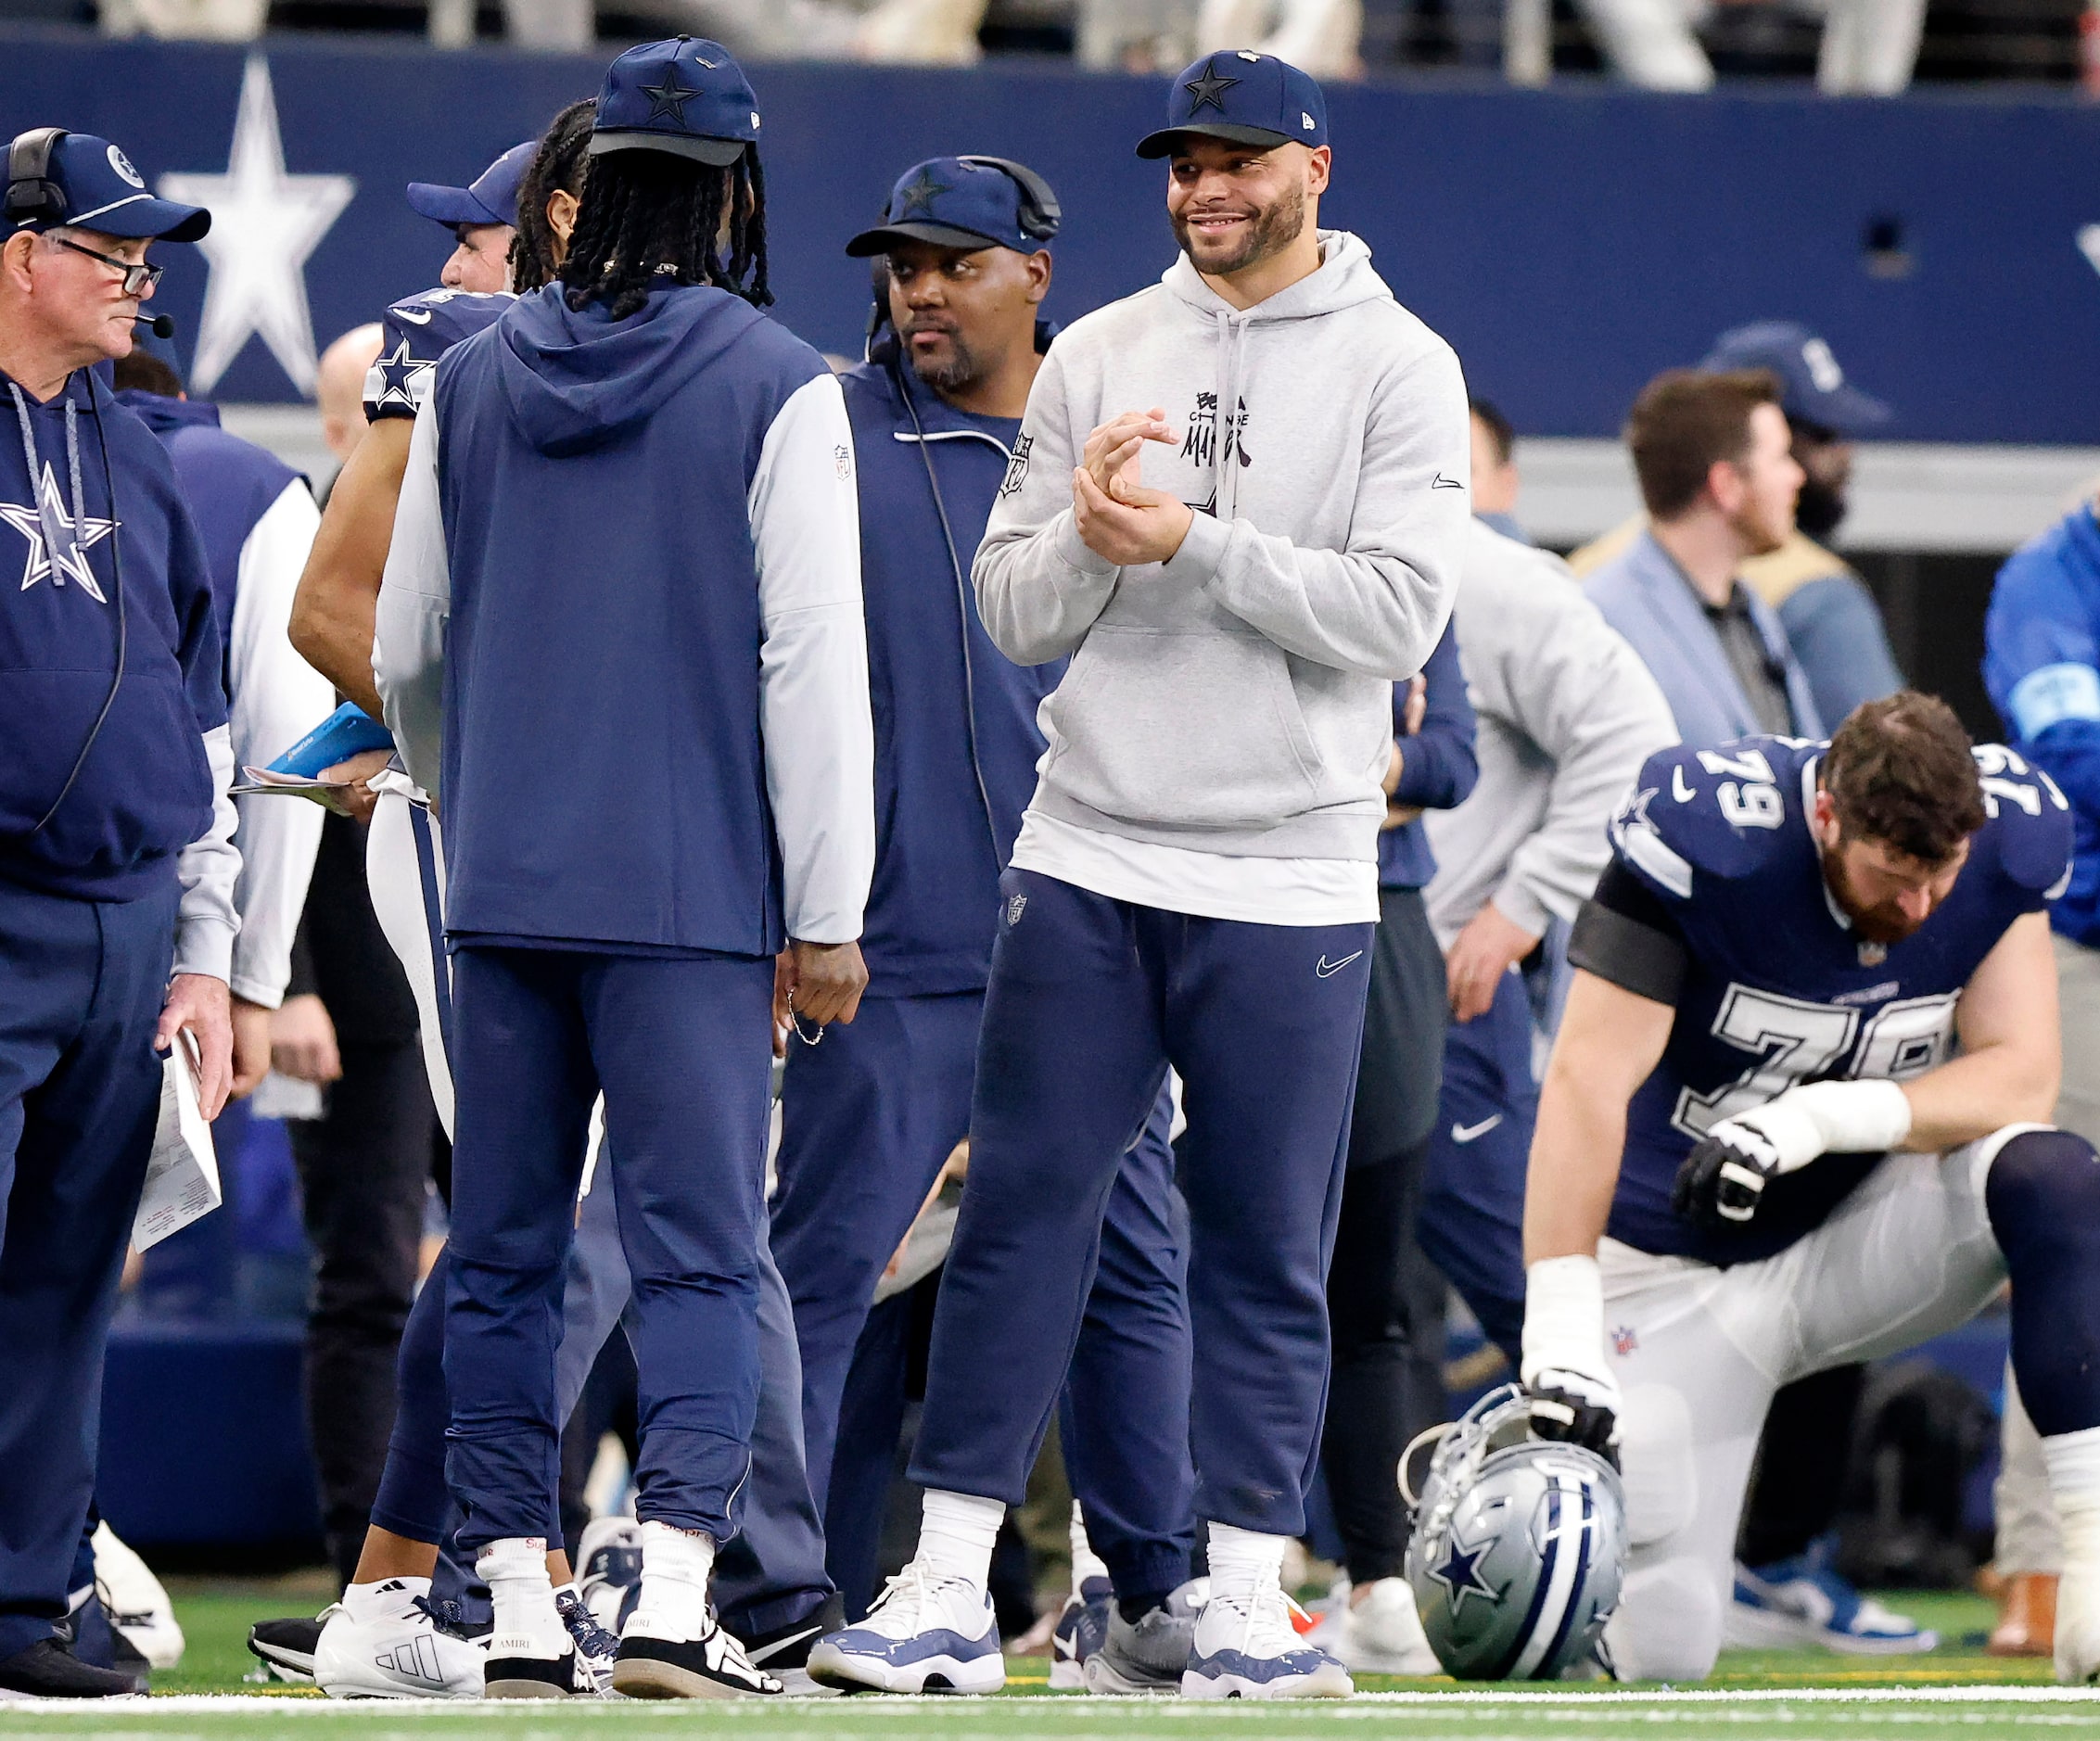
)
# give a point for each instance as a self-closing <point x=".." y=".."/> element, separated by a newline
<point x="1041" y="216"/>
<point x="31" y="193"/>
<point x="880" y="344"/>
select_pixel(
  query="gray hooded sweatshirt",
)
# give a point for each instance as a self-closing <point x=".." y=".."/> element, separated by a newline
<point x="1238" y="699"/>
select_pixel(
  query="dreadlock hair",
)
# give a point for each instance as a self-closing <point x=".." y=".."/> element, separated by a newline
<point x="556" y="167"/>
<point x="649" y="218"/>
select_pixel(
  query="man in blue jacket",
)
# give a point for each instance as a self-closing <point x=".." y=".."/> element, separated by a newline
<point x="631" y="489"/>
<point x="869" y="1119"/>
<point x="2042" y="665"/>
<point x="116" y="864"/>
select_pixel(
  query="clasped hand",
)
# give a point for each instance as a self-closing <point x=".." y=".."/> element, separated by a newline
<point x="1119" y="519"/>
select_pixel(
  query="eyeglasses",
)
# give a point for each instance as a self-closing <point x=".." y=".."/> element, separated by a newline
<point x="137" y="279"/>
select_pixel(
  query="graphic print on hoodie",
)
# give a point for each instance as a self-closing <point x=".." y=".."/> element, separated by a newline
<point x="1237" y="699"/>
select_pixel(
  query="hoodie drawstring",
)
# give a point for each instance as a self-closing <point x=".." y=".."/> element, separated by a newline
<point x="58" y="546"/>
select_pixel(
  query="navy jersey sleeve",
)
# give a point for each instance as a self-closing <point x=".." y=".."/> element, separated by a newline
<point x="1710" y="816"/>
<point x="2028" y="826"/>
<point x="413" y="334"/>
<point x="1437" y="768"/>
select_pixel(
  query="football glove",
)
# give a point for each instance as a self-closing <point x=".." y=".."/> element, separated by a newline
<point x="1722" y="1182"/>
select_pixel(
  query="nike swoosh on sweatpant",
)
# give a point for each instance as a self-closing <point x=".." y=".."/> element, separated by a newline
<point x="1473" y="1133"/>
<point x="1328" y="970"/>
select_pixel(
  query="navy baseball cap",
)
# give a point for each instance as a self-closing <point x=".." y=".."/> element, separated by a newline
<point x="492" y="197"/>
<point x="686" y="96"/>
<point x="1816" y="390"/>
<point x="1248" y="99"/>
<point x="961" y="202"/>
<point x="96" y="188"/>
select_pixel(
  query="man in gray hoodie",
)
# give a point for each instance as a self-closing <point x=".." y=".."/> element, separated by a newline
<point x="1195" y="882"/>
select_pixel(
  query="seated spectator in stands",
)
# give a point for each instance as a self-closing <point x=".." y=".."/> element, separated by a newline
<point x="1869" y="47"/>
<point x="1322" y="36"/>
<point x="1831" y="620"/>
<point x="1495" y="482"/>
<point x="202" y="20"/>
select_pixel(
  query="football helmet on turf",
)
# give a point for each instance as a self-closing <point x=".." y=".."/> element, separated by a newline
<point x="1518" y="1546"/>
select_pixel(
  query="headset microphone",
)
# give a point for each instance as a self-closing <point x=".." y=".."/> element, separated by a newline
<point x="160" y="325"/>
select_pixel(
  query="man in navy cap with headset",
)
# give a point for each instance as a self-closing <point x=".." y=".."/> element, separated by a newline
<point x="1195" y="880"/>
<point x="869" y="1118"/>
<point x="116" y="867"/>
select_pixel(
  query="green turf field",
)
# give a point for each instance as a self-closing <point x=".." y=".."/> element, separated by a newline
<point x="1953" y="1692"/>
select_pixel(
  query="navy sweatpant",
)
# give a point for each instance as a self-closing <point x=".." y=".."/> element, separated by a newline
<point x="82" y="987"/>
<point x="681" y="1049"/>
<point x="1091" y="1001"/>
<point x="1471" y="1220"/>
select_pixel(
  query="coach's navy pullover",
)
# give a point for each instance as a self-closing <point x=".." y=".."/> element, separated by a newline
<point x="956" y="739"/>
<point x="230" y="484"/>
<point x="642" y="595"/>
<point x="145" y="790"/>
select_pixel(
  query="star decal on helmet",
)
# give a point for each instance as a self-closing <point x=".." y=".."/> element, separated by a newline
<point x="1209" y="90"/>
<point x="668" y="100"/>
<point x="1459" y="1573"/>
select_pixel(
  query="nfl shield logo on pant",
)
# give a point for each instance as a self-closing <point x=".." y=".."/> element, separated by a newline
<point x="1015" y="906"/>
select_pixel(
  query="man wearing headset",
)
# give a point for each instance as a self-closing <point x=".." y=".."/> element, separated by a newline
<point x="870" y="1118"/>
<point x="117" y="866"/>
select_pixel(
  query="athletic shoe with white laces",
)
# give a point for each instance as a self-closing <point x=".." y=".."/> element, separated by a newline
<point x="595" y="1647"/>
<point x="1245" y="1646"/>
<point x="1081" y="1626"/>
<point x="1383" y="1634"/>
<point x="1802" y="1601"/>
<point x="135" y="1600"/>
<point x="609" y="1570"/>
<point x="924" y="1635"/>
<point x="387" y="1643"/>
<point x="1148" y="1655"/>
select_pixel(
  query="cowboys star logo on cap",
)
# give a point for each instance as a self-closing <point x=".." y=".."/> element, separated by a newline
<point x="1209" y="89"/>
<point x="669" y="99"/>
<point x="683" y="96"/>
<point x="123" y="165"/>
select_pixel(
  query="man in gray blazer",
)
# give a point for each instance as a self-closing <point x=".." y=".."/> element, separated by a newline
<point x="1711" y="452"/>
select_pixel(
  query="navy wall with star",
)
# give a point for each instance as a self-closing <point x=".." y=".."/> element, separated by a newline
<point x="1569" y="242"/>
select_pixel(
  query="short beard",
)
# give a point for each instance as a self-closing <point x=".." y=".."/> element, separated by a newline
<point x="962" y="370"/>
<point x="1760" y="539"/>
<point x="1274" y="229"/>
<point x="1819" y="510"/>
<point x="1870" y="924"/>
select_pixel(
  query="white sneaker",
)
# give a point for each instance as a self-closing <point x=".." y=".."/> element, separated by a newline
<point x="1246" y="1647"/>
<point x="608" y="1574"/>
<point x="384" y="1642"/>
<point x="924" y="1635"/>
<point x="1383" y="1634"/>
<point x="135" y="1600"/>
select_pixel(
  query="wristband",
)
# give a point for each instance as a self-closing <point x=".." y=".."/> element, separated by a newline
<point x="1825" y="1117"/>
<point x="1563" y="1317"/>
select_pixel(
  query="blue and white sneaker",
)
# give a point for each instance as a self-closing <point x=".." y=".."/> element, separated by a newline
<point x="924" y="1635"/>
<point x="1802" y="1601"/>
<point x="1081" y="1630"/>
<point x="1245" y="1646"/>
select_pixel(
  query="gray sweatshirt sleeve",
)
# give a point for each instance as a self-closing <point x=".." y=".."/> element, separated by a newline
<point x="1378" y="607"/>
<point x="1038" y="587"/>
<point x="1580" y="691"/>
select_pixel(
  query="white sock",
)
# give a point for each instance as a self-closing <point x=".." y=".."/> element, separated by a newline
<point x="955" y="1533"/>
<point x="1086" y="1564"/>
<point x="523" y="1597"/>
<point x="1244" y="1562"/>
<point x="362" y="1601"/>
<point x="675" y="1569"/>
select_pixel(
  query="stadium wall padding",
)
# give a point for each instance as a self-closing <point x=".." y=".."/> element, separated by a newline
<point x="1569" y="242"/>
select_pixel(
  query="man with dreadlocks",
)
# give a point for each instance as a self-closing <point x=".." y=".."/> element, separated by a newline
<point x="631" y="477"/>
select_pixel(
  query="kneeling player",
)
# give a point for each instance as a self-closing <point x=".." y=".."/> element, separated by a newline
<point x="1794" y="1119"/>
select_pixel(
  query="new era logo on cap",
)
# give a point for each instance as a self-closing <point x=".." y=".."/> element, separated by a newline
<point x="686" y="95"/>
<point x="1245" y="97"/>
